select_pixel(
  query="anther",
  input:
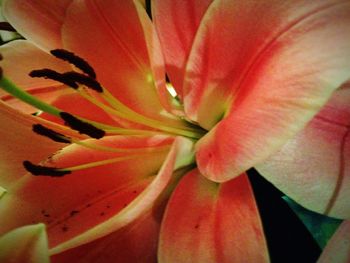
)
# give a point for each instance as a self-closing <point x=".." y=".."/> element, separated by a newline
<point x="55" y="136"/>
<point x="51" y="74"/>
<point x="84" y="80"/>
<point x="7" y="27"/>
<point x="81" y="126"/>
<point x="75" y="60"/>
<point x="44" y="170"/>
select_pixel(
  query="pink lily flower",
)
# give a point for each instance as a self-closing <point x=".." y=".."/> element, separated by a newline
<point x="146" y="176"/>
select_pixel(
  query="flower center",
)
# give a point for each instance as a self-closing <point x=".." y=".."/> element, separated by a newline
<point x="86" y="84"/>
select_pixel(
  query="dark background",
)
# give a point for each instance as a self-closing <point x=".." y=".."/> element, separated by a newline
<point x="287" y="237"/>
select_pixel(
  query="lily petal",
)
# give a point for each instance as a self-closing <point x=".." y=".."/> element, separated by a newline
<point x="338" y="248"/>
<point x="177" y="23"/>
<point x="207" y="222"/>
<point x="92" y="203"/>
<point x="314" y="167"/>
<point x="123" y="63"/>
<point x="282" y="89"/>
<point x="18" y="62"/>
<point x="25" y="244"/>
<point x="136" y="242"/>
<point x="18" y="143"/>
<point x="44" y="27"/>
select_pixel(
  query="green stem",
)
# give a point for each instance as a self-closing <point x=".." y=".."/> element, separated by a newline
<point x="24" y="96"/>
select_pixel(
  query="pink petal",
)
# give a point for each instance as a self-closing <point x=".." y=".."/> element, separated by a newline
<point x="314" y="167"/>
<point x="301" y="55"/>
<point x="26" y="244"/>
<point x="117" y="48"/>
<point x="338" y="248"/>
<point x="92" y="203"/>
<point x="37" y="21"/>
<point x="136" y="242"/>
<point x="19" y="143"/>
<point x="18" y="62"/>
<point x="207" y="222"/>
<point x="177" y="23"/>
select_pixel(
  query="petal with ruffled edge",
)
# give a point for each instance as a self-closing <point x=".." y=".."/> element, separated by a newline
<point x="208" y="222"/>
<point x="25" y="244"/>
<point x="117" y="49"/>
<point x="177" y="23"/>
<point x="18" y="143"/>
<point x="314" y="167"/>
<point x="44" y="25"/>
<point x="338" y="247"/>
<point x="285" y="86"/>
<point x="16" y="64"/>
<point x="92" y="203"/>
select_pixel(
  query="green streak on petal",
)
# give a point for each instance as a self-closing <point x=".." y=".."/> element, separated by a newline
<point x="3" y="191"/>
<point x="320" y="226"/>
<point x="24" y="96"/>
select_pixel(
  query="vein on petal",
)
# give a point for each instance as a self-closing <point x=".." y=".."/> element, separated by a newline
<point x="114" y="34"/>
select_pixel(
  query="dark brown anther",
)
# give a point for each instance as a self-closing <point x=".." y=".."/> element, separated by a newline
<point x="44" y="170"/>
<point x="84" y="80"/>
<point x="74" y="60"/>
<point x="55" y="136"/>
<point x="81" y="126"/>
<point x="51" y="74"/>
<point x="7" y="27"/>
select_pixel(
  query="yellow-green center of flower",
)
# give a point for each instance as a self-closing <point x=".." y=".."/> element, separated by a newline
<point x="87" y="85"/>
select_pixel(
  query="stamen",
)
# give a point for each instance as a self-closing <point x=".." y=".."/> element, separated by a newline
<point x="100" y="163"/>
<point x="44" y="170"/>
<point x="59" y="172"/>
<point x="121" y="150"/>
<point x="51" y="74"/>
<point x="81" y="126"/>
<point x="58" y="137"/>
<point x="84" y="80"/>
<point x="55" y="136"/>
<point x="75" y="60"/>
<point x="124" y="112"/>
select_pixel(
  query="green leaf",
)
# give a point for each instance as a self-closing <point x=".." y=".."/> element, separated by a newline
<point x="320" y="226"/>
